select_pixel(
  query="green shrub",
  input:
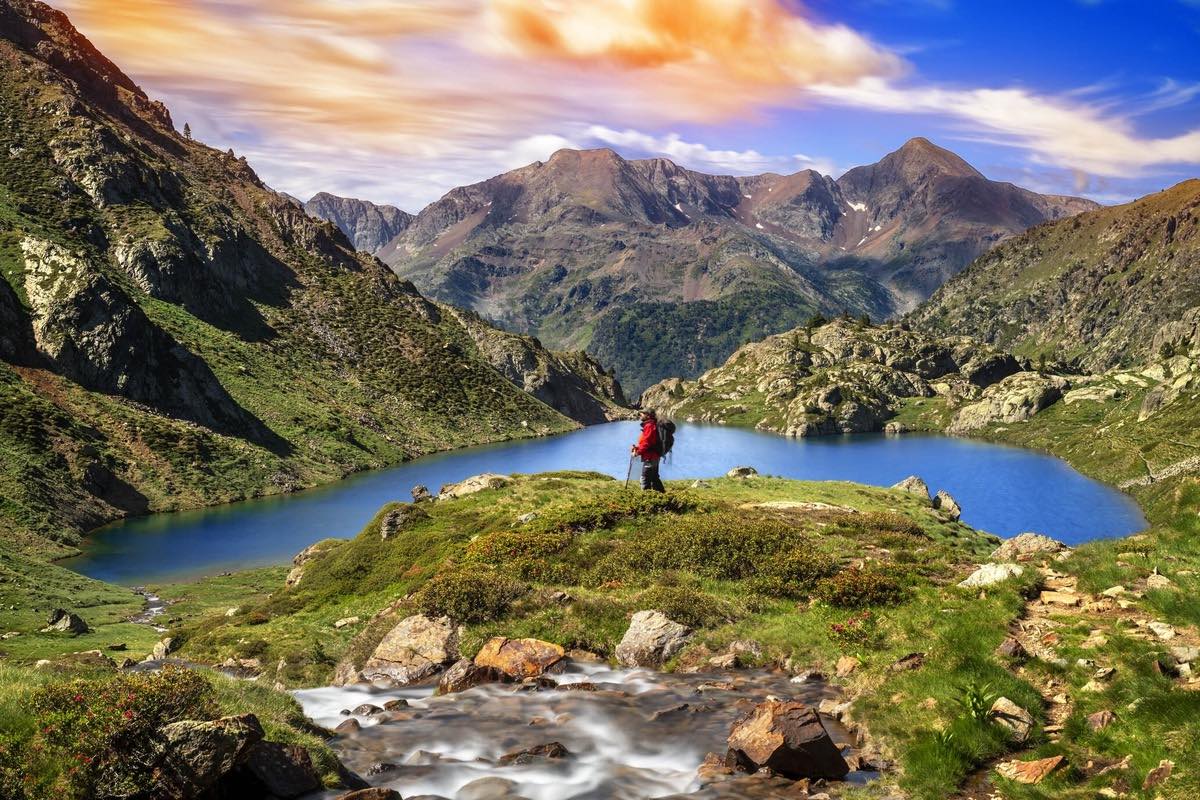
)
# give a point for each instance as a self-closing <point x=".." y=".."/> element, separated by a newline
<point x="867" y="586"/>
<point x="686" y="606"/>
<point x="528" y="554"/>
<point x="103" y="732"/>
<point x="469" y="593"/>
<point x="606" y="511"/>
<point x="794" y="573"/>
<point x="721" y="546"/>
<point x="888" y="522"/>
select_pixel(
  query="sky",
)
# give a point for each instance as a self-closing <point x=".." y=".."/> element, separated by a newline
<point x="398" y="101"/>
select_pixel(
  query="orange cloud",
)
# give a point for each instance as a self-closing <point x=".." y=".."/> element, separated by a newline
<point x="758" y="41"/>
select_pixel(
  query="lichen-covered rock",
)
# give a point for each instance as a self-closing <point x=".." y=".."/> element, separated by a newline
<point x="67" y="622"/>
<point x="989" y="574"/>
<point x="415" y="649"/>
<point x="199" y="754"/>
<point x="943" y="501"/>
<point x="1026" y="546"/>
<point x="913" y="485"/>
<point x="473" y="485"/>
<point x="1014" y="399"/>
<point x="402" y="516"/>
<point x="1015" y="719"/>
<point x="789" y="739"/>
<point x="651" y="639"/>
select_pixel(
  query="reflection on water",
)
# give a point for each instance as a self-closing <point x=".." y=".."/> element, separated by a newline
<point x="1005" y="490"/>
<point x="639" y="734"/>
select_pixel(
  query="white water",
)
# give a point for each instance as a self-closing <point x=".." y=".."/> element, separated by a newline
<point x="444" y="746"/>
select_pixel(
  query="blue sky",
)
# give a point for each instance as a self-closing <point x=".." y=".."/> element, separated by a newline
<point x="400" y="100"/>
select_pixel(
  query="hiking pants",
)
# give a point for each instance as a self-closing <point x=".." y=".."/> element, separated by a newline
<point x="650" y="479"/>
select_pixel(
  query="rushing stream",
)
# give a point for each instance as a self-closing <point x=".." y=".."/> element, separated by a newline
<point x="1004" y="490"/>
<point x="631" y="734"/>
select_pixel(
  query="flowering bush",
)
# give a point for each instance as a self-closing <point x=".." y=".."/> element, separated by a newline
<point x="859" y="631"/>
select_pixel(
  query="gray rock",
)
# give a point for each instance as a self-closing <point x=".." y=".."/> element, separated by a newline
<point x="989" y="574"/>
<point x="651" y="640"/>
<point x="67" y="622"/>
<point x="913" y="485"/>
<point x="163" y="648"/>
<point x="1017" y="720"/>
<point x="413" y="650"/>
<point x="284" y="771"/>
<point x="741" y="472"/>
<point x="1025" y="546"/>
<point x="420" y="494"/>
<point x="945" y="503"/>
<point x="473" y="485"/>
<point x="403" y="516"/>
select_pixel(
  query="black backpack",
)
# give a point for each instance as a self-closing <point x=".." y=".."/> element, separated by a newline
<point x="666" y="437"/>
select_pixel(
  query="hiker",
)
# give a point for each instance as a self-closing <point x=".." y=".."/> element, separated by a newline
<point x="650" y="449"/>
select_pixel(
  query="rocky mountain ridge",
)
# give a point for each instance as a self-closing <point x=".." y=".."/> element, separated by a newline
<point x="660" y="270"/>
<point x="367" y="225"/>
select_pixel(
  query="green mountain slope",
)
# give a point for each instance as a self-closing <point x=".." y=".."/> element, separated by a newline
<point x="1093" y="290"/>
<point x="175" y="333"/>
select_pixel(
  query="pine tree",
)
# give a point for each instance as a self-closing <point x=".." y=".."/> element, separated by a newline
<point x="187" y="131"/>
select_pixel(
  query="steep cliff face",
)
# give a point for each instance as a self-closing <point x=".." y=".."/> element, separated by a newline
<point x="660" y="271"/>
<point x="174" y="333"/>
<point x="367" y="225"/>
<point x="1092" y="290"/>
<point x="574" y="384"/>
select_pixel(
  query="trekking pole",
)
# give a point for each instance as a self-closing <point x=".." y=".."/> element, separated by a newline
<point x="629" y="472"/>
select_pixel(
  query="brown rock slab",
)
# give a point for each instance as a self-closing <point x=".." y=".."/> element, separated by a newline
<point x="519" y="658"/>
<point x="1159" y="774"/>
<point x="845" y="666"/>
<point x="788" y="738"/>
<point x="1029" y="772"/>
<point x="466" y="674"/>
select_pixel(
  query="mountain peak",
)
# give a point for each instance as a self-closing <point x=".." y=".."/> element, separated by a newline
<point x="919" y="155"/>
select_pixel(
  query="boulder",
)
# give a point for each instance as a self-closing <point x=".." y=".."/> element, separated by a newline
<point x="399" y="518"/>
<point x="473" y="485"/>
<point x="1101" y="720"/>
<point x="1029" y="772"/>
<point x="413" y="650"/>
<point x="990" y="574"/>
<point x="420" y="494"/>
<point x="1012" y="648"/>
<point x="278" y="770"/>
<point x="845" y="666"/>
<point x="1017" y="720"/>
<point x="741" y="472"/>
<point x="651" y="640"/>
<point x="913" y="485"/>
<point x="66" y="622"/>
<point x="1025" y="546"/>
<point x="198" y="754"/>
<point x="788" y="738"/>
<point x="945" y="503"/>
<point x="466" y="674"/>
<point x="346" y="621"/>
<point x="162" y="648"/>
<point x="519" y="658"/>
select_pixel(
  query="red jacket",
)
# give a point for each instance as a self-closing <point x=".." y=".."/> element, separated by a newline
<point x="647" y="446"/>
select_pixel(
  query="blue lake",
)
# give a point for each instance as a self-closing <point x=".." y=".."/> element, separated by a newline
<point x="1003" y="490"/>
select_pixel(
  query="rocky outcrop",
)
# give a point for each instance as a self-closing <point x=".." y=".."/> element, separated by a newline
<point x="1014" y="399"/>
<point x="913" y="485"/>
<point x="839" y="377"/>
<point x="472" y="485"/>
<point x="301" y="559"/>
<point x="651" y="640"/>
<point x="943" y="501"/>
<point x="787" y="738"/>
<point x="399" y="518"/>
<point x="466" y="674"/>
<point x="413" y="650"/>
